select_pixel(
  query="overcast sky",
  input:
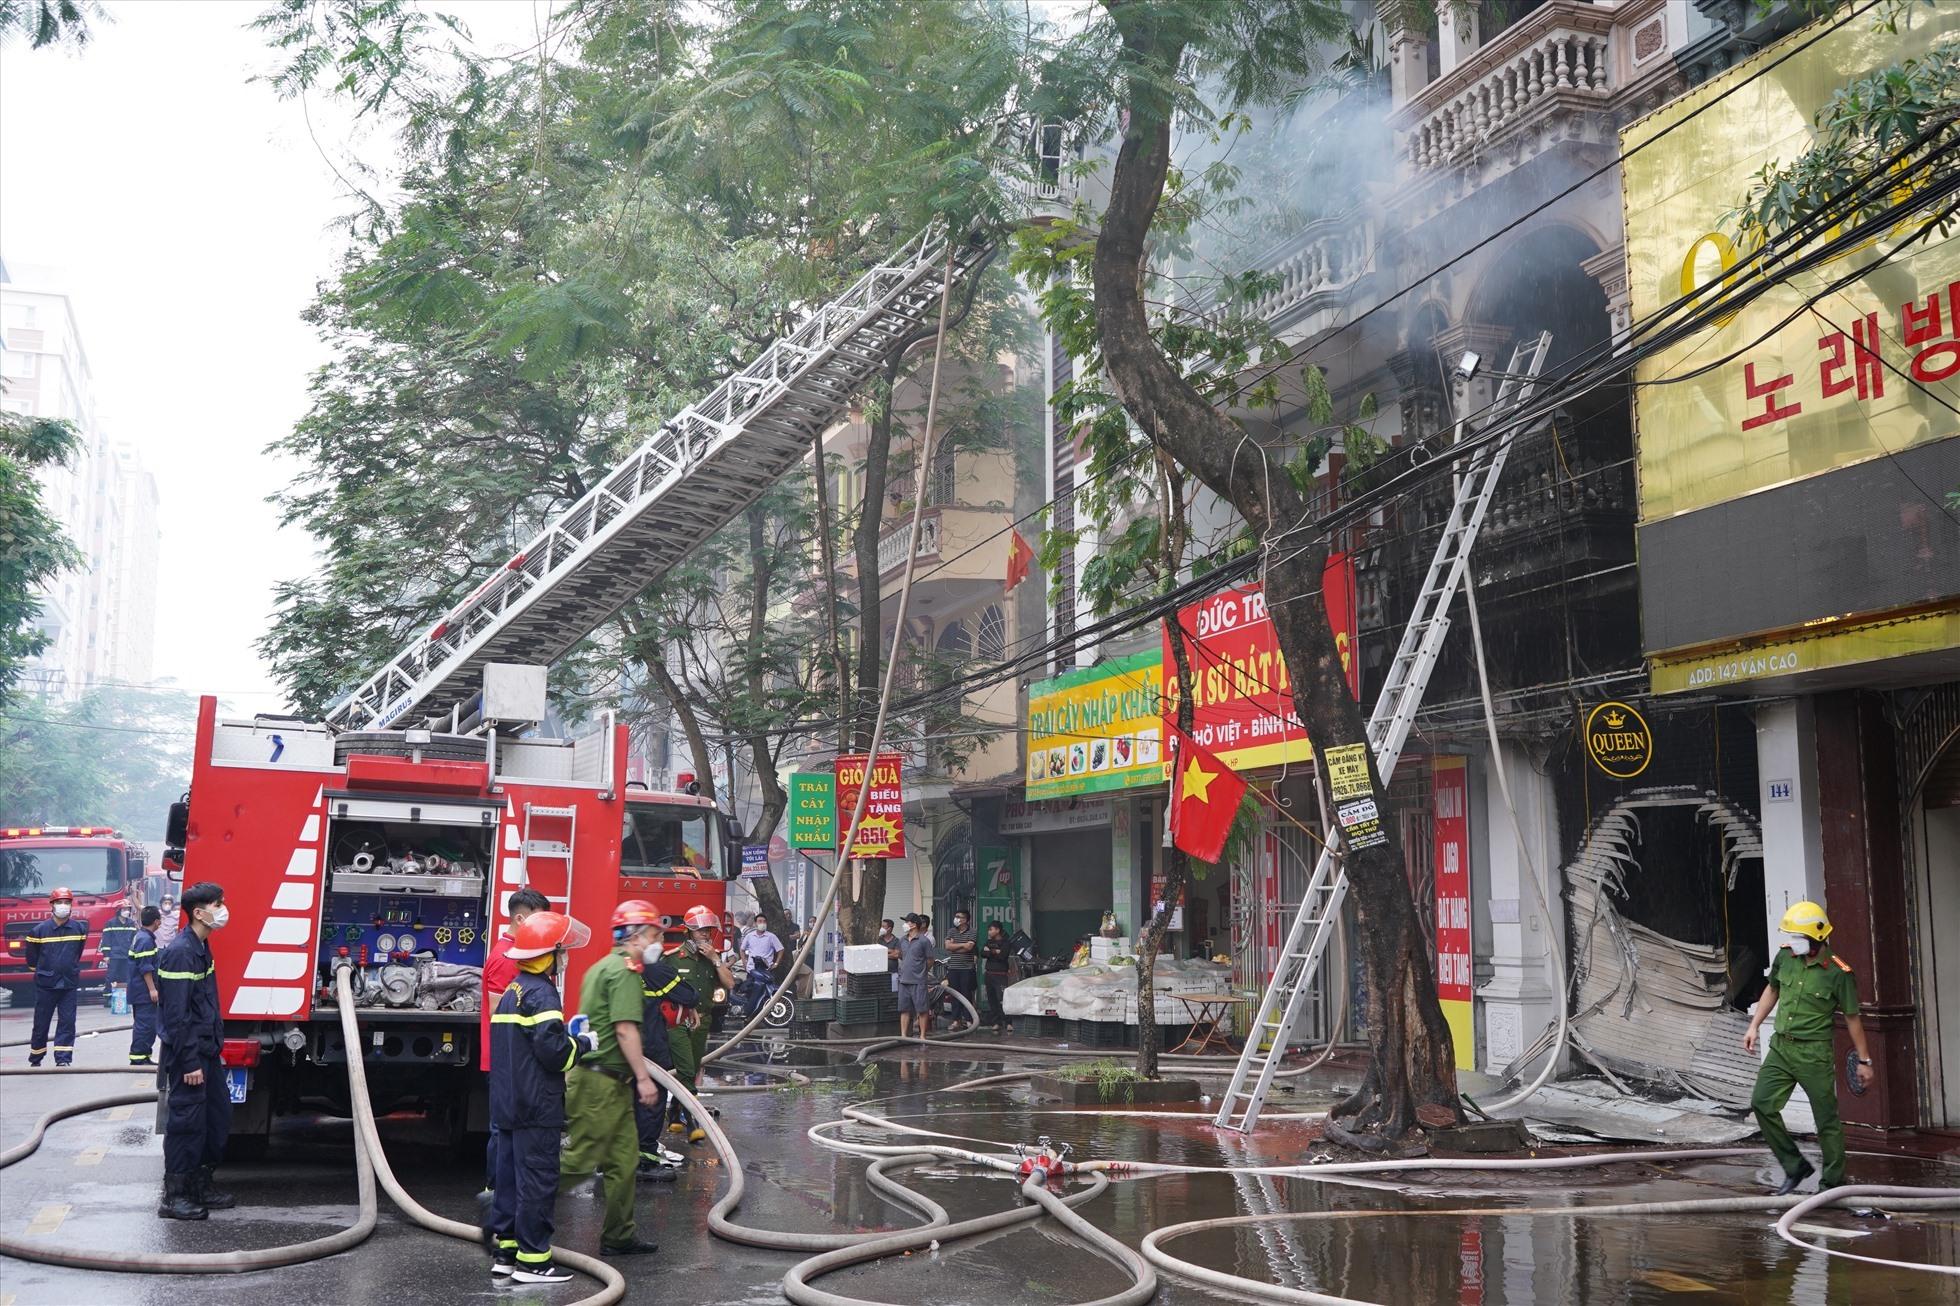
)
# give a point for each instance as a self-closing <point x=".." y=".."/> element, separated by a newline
<point x="190" y="214"/>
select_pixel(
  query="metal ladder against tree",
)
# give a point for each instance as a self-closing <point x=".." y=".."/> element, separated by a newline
<point x="698" y="472"/>
<point x="1319" y="916"/>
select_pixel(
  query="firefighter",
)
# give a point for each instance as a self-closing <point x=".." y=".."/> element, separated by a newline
<point x="530" y="1053"/>
<point x="116" y="943"/>
<point x="499" y="970"/>
<point x="704" y="970"/>
<point x="664" y="993"/>
<point x="143" y="989"/>
<point x="199" y="1105"/>
<point x="54" y="948"/>
<point x="601" y="1092"/>
<point x="1814" y="985"/>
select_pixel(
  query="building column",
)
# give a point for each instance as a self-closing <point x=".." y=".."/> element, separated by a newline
<point x="1793" y="848"/>
<point x="1520" y="999"/>
<point x="1866" y="896"/>
<point x="1458" y="34"/>
<point x="1408" y="51"/>
<point x="1610" y="271"/>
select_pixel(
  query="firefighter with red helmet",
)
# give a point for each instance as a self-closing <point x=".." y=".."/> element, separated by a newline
<point x="54" y="948"/>
<point x="664" y="993"/>
<point x="698" y="963"/>
<point x="530" y="1053"/>
<point x="600" y="1094"/>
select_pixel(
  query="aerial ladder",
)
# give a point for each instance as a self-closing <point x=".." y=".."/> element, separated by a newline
<point x="696" y="473"/>
<point x="1297" y="967"/>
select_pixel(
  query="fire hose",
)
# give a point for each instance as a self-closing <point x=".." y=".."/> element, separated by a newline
<point x="371" y="1163"/>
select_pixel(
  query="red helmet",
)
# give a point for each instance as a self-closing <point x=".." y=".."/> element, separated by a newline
<point x="62" y="892"/>
<point x="699" y="917"/>
<point x="635" y="912"/>
<point x="542" y="931"/>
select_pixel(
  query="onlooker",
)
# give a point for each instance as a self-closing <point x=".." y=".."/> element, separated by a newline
<point x="167" y="924"/>
<point x="143" y="990"/>
<point x="761" y="948"/>
<point x="199" y="1118"/>
<point x="116" y="943"/>
<point x="998" y="966"/>
<point x="961" y="961"/>
<point x="499" y="973"/>
<point x="914" y="956"/>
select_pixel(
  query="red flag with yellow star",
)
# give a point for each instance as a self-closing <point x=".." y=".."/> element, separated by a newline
<point x="1205" y="796"/>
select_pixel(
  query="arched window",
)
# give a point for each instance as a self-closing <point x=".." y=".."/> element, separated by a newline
<point x="990" y="642"/>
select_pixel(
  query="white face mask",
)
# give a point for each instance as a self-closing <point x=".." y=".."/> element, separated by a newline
<point x="650" y="955"/>
<point x="220" y="917"/>
<point x="1800" y="945"/>
<point x="61" y="910"/>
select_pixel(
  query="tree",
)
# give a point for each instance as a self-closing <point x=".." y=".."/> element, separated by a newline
<point x="1161" y="56"/>
<point x="49" y="22"/>
<point x="33" y="548"/>
<point x="116" y="757"/>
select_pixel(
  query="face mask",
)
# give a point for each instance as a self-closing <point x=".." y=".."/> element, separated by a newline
<point x="61" y="910"/>
<point x="1800" y="945"/>
<point x="220" y="917"/>
<point x="650" y="955"/>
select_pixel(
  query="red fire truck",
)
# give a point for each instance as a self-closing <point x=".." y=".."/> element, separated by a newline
<point x="94" y="861"/>
<point x="399" y="850"/>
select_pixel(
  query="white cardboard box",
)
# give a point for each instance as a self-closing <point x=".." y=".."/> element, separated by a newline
<point x="865" y="959"/>
<point x="823" y="984"/>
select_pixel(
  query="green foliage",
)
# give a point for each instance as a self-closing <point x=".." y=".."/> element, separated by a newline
<point x="118" y="757"/>
<point x="33" y="548"/>
<point x="49" y="22"/>
<point x="1899" y="120"/>
<point x="1112" y="1077"/>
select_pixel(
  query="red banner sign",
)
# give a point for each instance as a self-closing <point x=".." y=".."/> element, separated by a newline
<point x="1450" y="789"/>
<point x="1242" y="700"/>
<point x="882" y="831"/>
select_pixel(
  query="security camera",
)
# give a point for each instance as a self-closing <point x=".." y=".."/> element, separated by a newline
<point x="1467" y="366"/>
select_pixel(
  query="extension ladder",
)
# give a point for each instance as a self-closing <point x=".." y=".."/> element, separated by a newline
<point x="1319" y="916"/>
<point x="697" y="473"/>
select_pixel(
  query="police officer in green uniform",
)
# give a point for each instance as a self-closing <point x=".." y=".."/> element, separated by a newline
<point x="1813" y="984"/>
<point x="701" y="968"/>
<point x="601" y="1090"/>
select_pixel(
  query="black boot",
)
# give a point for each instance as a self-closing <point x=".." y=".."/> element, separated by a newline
<point x="180" y="1199"/>
<point x="210" y="1195"/>
<point x="1790" y="1180"/>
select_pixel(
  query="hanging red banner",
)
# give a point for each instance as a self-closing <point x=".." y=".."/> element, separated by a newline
<point x="882" y="831"/>
<point x="1242" y="700"/>
<point x="1450" y="787"/>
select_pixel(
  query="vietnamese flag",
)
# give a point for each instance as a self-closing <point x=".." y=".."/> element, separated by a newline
<point x="1205" y="795"/>
<point x="1020" y="556"/>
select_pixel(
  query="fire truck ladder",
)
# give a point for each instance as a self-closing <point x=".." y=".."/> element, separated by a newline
<point x="1319" y="916"/>
<point x="699" y="471"/>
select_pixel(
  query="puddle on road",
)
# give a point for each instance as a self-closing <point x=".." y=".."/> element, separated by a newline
<point x="1365" y="1241"/>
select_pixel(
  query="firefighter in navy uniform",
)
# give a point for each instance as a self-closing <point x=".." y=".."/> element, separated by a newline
<point x="193" y="1076"/>
<point x="1814" y="986"/>
<point x="530" y="1051"/>
<point x="54" y="948"/>
<point x="143" y="952"/>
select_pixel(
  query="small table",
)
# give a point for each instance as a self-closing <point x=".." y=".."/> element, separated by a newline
<point x="1208" y="1012"/>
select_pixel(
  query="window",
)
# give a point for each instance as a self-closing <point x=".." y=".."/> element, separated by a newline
<point x="942" y="487"/>
<point x="990" y="644"/>
<point x="34" y="872"/>
<point x="662" y="840"/>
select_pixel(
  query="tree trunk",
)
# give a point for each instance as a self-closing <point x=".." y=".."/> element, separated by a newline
<point x="1177" y="862"/>
<point x="1412" y="1064"/>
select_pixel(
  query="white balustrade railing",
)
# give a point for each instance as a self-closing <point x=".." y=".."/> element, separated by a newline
<point x="1328" y="256"/>
<point x="1505" y="83"/>
<point x="891" y="545"/>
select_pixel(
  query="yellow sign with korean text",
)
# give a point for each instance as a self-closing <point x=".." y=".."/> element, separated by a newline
<point x="1813" y="375"/>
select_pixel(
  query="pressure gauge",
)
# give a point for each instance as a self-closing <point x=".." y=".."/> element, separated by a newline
<point x="385" y="944"/>
<point x="406" y="943"/>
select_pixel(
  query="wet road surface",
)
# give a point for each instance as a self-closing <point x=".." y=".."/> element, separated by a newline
<point x="94" y="1184"/>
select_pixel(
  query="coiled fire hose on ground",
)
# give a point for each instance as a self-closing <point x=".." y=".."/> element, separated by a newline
<point x="370" y="1162"/>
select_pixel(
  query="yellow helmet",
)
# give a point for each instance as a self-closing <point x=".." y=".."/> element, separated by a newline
<point x="1807" y="919"/>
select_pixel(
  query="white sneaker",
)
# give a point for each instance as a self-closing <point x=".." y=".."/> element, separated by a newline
<point x="671" y="1158"/>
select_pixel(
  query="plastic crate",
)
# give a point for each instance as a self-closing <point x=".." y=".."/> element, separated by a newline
<point x="1104" y="1033"/>
<point x="815" y="1011"/>
<point x="868" y="986"/>
<point x="865" y="1011"/>
<point x="1028" y="1026"/>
